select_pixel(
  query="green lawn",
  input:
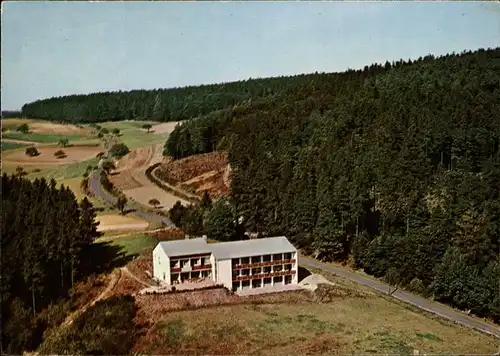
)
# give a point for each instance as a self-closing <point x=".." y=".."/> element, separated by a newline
<point x="59" y="173"/>
<point x="132" y="134"/>
<point x="41" y="137"/>
<point x="132" y="245"/>
<point x="11" y="146"/>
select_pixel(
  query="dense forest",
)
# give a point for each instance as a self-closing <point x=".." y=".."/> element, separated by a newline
<point x="46" y="236"/>
<point x="159" y="105"/>
<point x="395" y="168"/>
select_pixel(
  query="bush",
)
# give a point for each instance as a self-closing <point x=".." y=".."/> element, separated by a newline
<point x="60" y="154"/>
<point x="119" y="150"/>
<point x="24" y="128"/>
<point x="32" y="151"/>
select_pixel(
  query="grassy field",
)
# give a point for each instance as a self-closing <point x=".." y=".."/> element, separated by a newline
<point x="132" y="134"/>
<point x="131" y="245"/>
<point x="348" y="325"/>
<point x="59" y="173"/>
<point x="11" y="146"/>
<point x="41" y="137"/>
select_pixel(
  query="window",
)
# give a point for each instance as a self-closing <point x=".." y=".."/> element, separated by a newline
<point x="277" y="257"/>
<point x="245" y="272"/>
<point x="266" y="258"/>
<point x="257" y="270"/>
<point x="277" y="268"/>
<point x="267" y="269"/>
<point x="164" y="277"/>
<point x="278" y="280"/>
<point x="288" y="279"/>
<point x="288" y="267"/>
<point x="256" y="283"/>
<point x="256" y="259"/>
<point x="245" y="261"/>
<point x="236" y="286"/>
<point x="288" y="256"/>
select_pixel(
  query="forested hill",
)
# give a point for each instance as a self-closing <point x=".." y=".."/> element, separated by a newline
<point x="161" y="104"/>
<point x="183" y="103"/>
<point x="395" y="169"/>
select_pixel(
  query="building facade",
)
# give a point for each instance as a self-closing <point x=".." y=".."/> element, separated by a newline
<point x="238" y="265"/>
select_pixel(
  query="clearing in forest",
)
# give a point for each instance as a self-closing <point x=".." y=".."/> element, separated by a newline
<point x="199" y="173"/>
<point x="130" y="177"/>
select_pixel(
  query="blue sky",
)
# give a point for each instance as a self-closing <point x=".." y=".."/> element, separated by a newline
<point x="57" y="48"/>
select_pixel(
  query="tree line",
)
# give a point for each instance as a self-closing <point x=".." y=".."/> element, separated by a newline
<point x="395" y="169"/>
<point x="172" y="104"/>
<point x="46" y="235"/>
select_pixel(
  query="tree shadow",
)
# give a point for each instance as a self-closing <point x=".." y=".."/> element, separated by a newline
<point x="103" y="257"/>
<point x="303" y="273"/>
<point x="128" y="211"/>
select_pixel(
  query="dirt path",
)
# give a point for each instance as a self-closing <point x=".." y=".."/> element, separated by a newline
<point x="115" y="277"/>
<point x="133" y="276"/>
<point x="130" y="177"/>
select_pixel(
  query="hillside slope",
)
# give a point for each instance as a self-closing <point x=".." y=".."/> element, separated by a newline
<point x="395" y="169"/>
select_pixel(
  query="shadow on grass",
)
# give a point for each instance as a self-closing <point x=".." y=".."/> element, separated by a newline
<point x="103" y="257"/>
<point x="303" y="273"/>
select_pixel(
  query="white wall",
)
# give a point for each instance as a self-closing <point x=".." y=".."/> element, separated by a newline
<point x="161" y="265"/>
<point x="224" y="273"/>
<point x="214" y="267"/>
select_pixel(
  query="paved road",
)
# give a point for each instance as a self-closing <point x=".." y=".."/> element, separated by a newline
<point x="420" y="302"/>
<point x="96" y="188"/>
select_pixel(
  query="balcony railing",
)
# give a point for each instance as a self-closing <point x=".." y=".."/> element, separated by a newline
<point x="189" y="268"/>
<point x="263" y="275"/>
<point x="264" y="264"/>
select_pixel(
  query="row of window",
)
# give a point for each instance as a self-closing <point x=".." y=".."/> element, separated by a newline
<point x="264" y="258"/>
<point x="262" y="270"/>
<point x="264" y="282"/>
<point x="190" y="261"/>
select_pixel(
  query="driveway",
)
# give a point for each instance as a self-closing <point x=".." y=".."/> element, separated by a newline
<point x="420" y="302"/>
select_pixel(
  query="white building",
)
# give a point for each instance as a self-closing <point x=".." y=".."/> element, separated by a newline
<point x="237" y="265"/>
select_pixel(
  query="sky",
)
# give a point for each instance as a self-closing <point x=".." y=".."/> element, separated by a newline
<point x="58" y="48"/>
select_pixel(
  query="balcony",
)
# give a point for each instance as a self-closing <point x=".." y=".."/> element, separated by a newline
<point x="263" y="275"/>
<point x="264" y="264"/>
<point x="201" y="267"/>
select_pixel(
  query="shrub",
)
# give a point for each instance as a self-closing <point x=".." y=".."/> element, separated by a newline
<point x="119" y="150"/>
<point x="24" y="128"/>
<point x="60" y="154"/>
<point x="32" y="151"/>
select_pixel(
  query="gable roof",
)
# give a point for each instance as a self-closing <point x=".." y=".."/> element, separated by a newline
<point x="256" y="247"/>
<point x="185" y="247"/>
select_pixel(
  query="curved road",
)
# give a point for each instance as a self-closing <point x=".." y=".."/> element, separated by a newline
<point x="96" y="188"/>
<point x="420" y="302"/>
